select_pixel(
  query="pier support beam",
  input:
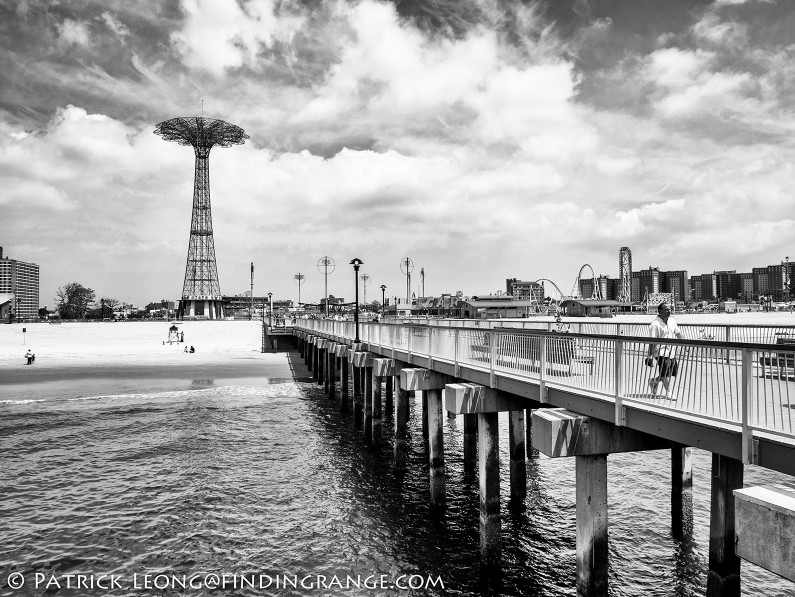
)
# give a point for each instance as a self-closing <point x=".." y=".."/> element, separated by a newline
<point x="341" y="353"/>
<point x="489" y="485"/>
<point x="591" y="499"/>
<point x="470" y="442"/>
<point x="321" y="361"/>
<point x="362" y="362"/>
<point x="557" y="433"/>
<point x="382" y="369"/>
<point x="431" y="384"/>
<point x="473" y="400"/>
<point x="765" y="518"/>
<point x="469" y="399"/>
<point x="401" y="449"/>
<point x="681" y="486"/>
<point x="310" y="350"/>
<point x="723" y="577"/>
<point x="331" y="369"/>
<point x="517" y="455"/>
<point x="389" y="404"/>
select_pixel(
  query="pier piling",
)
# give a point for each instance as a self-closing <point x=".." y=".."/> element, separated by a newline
<point x="681" y="486"/>
<point x="723" y="577"/>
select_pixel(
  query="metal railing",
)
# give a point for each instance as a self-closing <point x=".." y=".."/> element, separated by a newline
<point x="756" y="334"/>
<point x="744" y="385"/>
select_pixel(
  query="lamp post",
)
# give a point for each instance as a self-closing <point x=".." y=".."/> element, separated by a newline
<point x="270" y="309"/>
<point x="383" y="300"/>
<point x="299" y="279"/>
<point x="356" y="263"/>
<point x="263" y="325"/>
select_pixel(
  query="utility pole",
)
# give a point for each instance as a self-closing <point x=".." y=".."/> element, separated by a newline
<point x="251" y="294"/>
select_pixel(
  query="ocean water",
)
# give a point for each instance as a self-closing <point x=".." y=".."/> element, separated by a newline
<point x="167" y="482"/>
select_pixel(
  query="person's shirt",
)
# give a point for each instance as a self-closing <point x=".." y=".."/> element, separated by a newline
<point x="666" y="331"/>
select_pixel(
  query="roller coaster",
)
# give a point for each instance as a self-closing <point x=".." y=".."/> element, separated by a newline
<point x="554" y="296"/>
<point x="596" y="291"/>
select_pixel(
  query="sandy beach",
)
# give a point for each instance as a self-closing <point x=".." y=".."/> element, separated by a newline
<point x="73" y="351"/>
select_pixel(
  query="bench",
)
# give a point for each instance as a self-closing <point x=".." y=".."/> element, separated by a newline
<point x="561" y="355"/>
<point x="781" y="361"/>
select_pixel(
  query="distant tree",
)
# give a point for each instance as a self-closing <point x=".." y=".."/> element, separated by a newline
<point x="43" y="311"/>
<point x="73" y="300"/>
<point x="107" y="305"/>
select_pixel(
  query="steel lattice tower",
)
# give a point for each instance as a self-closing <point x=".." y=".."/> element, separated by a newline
<point x="624" y="275"/>
<point x="201" y="292"/>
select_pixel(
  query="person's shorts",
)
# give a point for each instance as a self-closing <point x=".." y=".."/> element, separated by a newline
<point x="668" y="367"/>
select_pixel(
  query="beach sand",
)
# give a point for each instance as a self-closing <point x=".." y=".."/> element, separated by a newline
<point x="107" y="350"/>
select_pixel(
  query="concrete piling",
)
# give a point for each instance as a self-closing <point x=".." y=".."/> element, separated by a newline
<point x="376" y="409"/>
<point x="489" y="484"/>
<point x="681" y="486"/>
<point x="436" y="448"/>
<point x="723" y="577"/>
<point x="591" y="499"/>
<point x="470" y="442"/>
<point x="389" y="405"/>
<point x="431" y="384"/>
<point x="401" y="429"/>
<point x="516" y="436"/>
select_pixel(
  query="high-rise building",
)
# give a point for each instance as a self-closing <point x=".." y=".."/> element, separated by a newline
<point x="677" y="283"/>
<point x="728" y="284"/>
<point x="609" y="288"/>
<point x="645" y="282"/>
<point x="776" y="282"/>
<point x="705" y="287"/>
<point x="21" y="280"/>
<point x="525" y="290"/>
<point x="747" y="281"/>
<point x="760" y="281"/>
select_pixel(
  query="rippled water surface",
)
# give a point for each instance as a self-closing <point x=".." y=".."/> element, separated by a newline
<point x="188" y="478"/>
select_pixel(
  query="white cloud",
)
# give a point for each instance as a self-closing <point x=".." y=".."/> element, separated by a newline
<point x="221" y="35"/>
<point x="74" y="32"/>
<point x="117" y="27"/>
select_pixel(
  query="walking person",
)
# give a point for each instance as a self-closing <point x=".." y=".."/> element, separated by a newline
<point x="663" y="327"/>
<point x="29" y="357"/>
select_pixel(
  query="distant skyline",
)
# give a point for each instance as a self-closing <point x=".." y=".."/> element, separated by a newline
<point x="484" y="139"/>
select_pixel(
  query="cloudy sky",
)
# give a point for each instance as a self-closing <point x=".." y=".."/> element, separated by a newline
<point x="484" y="139"/>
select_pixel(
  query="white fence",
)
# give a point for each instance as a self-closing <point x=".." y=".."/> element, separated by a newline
<point x="747" y="385"/>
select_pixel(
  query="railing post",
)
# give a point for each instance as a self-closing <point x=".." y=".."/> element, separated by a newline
<point x="492" y="355"/>
<point x="748" y="455"/>
<point x="430" y="348"/>
<point x="542" y="369"/>
<point x="408" y="342"/>
<point x="456" y="365"/>
<point x="618" y="371"/>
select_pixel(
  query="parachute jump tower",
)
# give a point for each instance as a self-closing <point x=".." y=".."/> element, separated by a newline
<point x="201" y="292"/>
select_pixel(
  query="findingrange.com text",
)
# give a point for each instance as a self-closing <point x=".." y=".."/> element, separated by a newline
<point x="162" y="582"/>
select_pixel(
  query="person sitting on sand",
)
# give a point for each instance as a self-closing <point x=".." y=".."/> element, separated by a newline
<point x="192" y="349"/>
<point x="29" y="357"/>
<point x="186" y="349"/>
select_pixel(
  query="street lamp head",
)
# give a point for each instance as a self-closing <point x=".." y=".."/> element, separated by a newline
<point x="356" y="262"/>
<point x="270" y="294"/>
<point x="383" y="287"/>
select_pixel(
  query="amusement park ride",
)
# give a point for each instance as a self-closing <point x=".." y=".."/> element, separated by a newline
<point x="553" y="297"/>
